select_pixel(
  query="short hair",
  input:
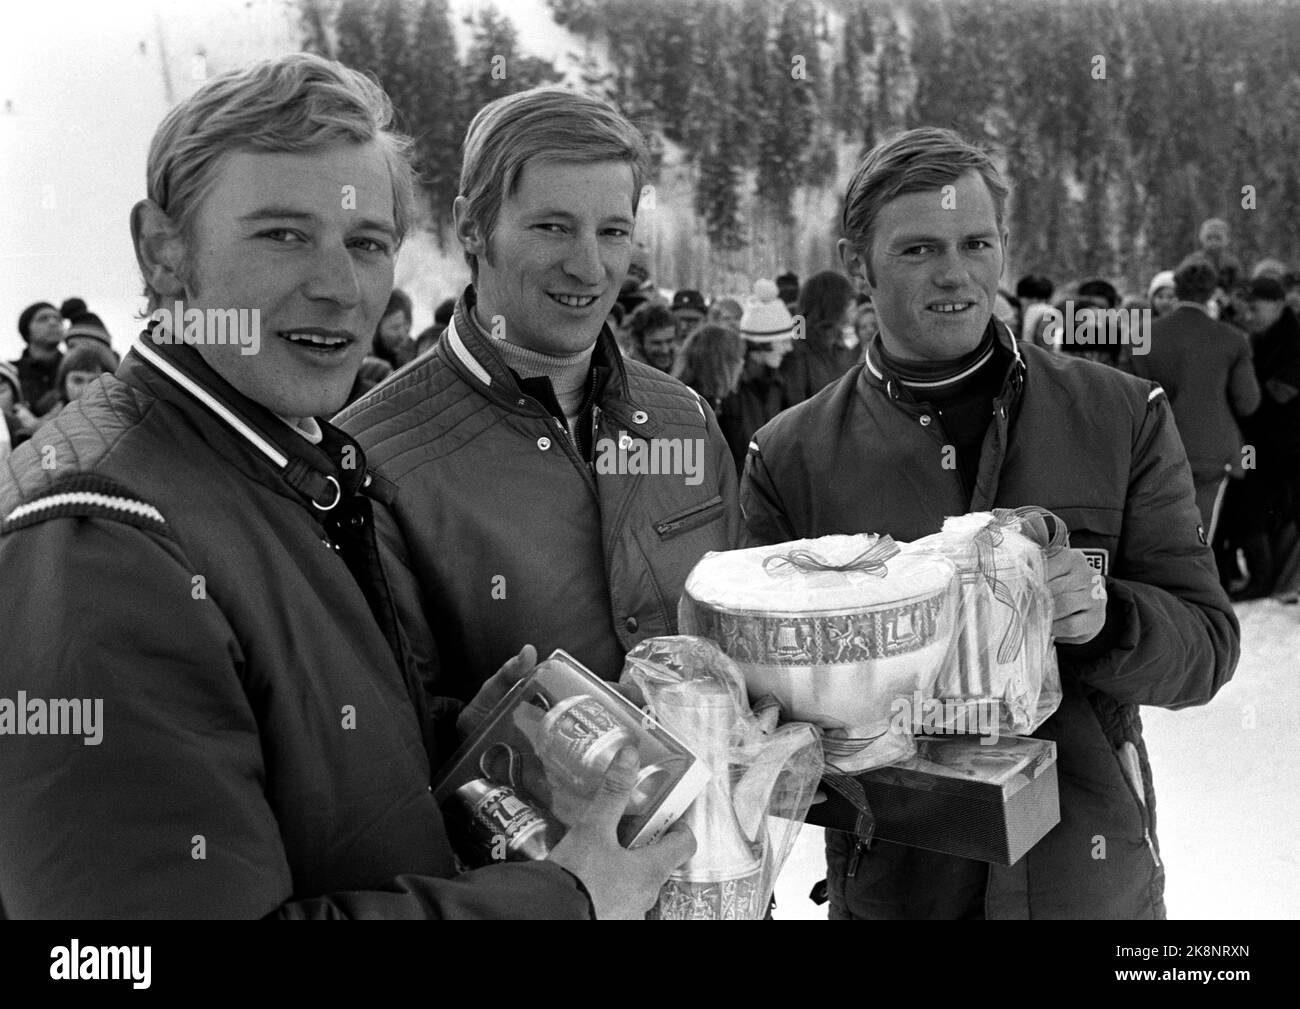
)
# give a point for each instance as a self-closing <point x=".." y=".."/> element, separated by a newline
<point x="710" y="360"/>
<point x="543" y="124"/>
<point x="94" y="357"/>
<point x="649" y="317"/>
<point x="1035" y="285"/>
<point x="917" y="161"/>
<point x="1195" y="279"/>
<point x="289" y="104"/>
<point x="823" y="300"/>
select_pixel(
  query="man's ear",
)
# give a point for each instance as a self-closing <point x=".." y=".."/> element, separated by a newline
<point x="159" y="248"/>
<point x="467" y="231"/>
<point x="856" y="266"/>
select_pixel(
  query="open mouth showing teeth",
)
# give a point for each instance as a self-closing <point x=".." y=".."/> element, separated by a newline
<point x="316" y="341"/>
<point x="951" y="307"/>
<point x="574" y="300"/>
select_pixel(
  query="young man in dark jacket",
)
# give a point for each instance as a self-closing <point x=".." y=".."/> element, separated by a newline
<point x="949" y="415"/>
<point x="233" y="726"/>
<point x="541" y="487"/>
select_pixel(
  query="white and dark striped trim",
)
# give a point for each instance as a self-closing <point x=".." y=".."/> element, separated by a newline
<point x="462" y="353"/>
<point x="87" y="496"/>
<point x="83" y="500"/>
<point x="210" y="401"/>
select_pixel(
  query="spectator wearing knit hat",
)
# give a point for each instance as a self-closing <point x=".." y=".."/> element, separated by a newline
<point x="766" y="326"/>
<point x="1160" y="293"/>
<point x="87" y="328"/>
<point x="41" y="327"/>
<point x="689" y="310"/>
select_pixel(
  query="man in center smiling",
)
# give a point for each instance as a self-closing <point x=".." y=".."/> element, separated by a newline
<point x="502" y="529"/>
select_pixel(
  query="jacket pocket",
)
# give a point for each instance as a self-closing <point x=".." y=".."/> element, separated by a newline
<point x="690" y="518"/>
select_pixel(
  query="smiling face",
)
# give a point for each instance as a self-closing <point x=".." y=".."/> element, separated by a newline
<point x="557" y="256"/>
<point x="275" y="234"/>
<point x="660" y="346"/>
<point x="1162" y="300"/>
<point x="932" y="270"/>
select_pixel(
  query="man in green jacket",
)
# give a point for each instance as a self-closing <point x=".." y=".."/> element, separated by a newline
<point x="949" y="415"/>
<point x="207" y="704"/>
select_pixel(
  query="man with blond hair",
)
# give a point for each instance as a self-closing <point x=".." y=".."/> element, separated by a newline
<point x="252" y="735"/>
<point x="950" y="414"/>
<point x="528" y="496"/>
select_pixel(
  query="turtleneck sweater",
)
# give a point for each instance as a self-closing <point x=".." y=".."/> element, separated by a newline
<point x="567" y="373"/>
<point x="961" y="391"/>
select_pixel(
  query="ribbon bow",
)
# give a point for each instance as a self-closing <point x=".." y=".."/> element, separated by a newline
<point x="871" y="561"/>
<point x="1034" y="526"/>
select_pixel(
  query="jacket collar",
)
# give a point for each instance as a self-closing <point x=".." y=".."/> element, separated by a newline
<point x="474" y="355"/>
<point x="316" y="473"/>
<point x="878" y="374"/>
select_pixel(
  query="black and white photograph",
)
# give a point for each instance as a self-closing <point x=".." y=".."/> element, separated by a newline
<point x="649" y="459"/>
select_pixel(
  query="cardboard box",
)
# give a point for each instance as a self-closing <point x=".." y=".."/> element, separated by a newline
<point x="960" y="797"/>
<point x="531" y="769"/>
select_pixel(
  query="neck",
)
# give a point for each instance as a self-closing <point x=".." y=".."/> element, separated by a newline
<point x="933" y="373"/>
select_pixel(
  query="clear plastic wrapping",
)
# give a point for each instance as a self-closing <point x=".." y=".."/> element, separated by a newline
<point x="1002" y="678"/>
<point x="533" y="766"/>
<point x="763" y="778"/>
<point x="844" y="631"/>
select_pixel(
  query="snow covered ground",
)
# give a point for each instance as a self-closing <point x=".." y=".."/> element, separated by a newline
<point x="1227" y="779"/>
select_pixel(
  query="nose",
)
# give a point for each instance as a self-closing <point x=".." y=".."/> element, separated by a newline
<point x="950" y="269"/>
<point x="333" y="276"/>
<point x="583" y="260"/>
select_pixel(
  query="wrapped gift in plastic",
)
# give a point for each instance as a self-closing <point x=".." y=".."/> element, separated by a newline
<point x="837" y="629"/>
<point x="763" y="778"/>
<point x="531" y="769"/>
<point x="1003" y="672"/>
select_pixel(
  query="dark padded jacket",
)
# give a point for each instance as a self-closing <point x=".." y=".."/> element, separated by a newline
<point x="173" y="549"/>
<point x="499" y="534"/>
<point x="1099" y="449"/>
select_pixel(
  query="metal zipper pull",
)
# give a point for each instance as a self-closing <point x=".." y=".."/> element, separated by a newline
<point x="855" y="858"/>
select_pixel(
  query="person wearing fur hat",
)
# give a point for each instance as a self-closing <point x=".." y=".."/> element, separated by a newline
<point x="1160" y="293"/>
<point x="41" y="327"/>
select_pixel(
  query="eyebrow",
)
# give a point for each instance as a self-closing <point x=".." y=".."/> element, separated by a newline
<point x="555" y="212"/>
<point x="285" y="213"/>
<point x="935" y="239"/>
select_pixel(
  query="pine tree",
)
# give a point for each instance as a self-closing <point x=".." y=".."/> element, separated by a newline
<point x="437" y="111"/>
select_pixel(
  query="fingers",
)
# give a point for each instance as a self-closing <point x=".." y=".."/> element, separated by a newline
<point x="674" y="847"/>
<point x="615" y="791"/>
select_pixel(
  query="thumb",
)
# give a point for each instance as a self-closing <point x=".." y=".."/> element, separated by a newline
<point x="615" y="792"/>
<point x="675" y="847"/>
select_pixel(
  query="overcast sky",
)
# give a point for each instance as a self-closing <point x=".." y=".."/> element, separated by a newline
<point x="83" y="85"/>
